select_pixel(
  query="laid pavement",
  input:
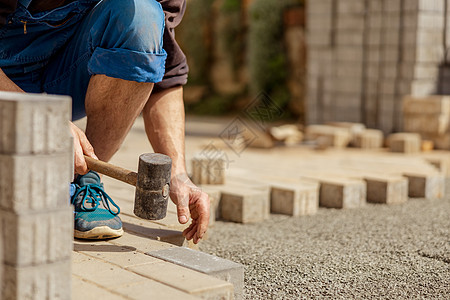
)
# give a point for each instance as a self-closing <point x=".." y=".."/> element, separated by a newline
<point x="398" y="251"/>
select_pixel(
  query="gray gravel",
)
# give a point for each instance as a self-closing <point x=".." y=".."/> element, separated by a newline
<point x="377" y="251"/>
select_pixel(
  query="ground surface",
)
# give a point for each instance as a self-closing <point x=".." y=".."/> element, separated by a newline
<point x="377" y="251"/>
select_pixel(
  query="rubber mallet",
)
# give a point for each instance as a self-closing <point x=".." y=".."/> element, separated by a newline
<point x="151" y="182"/>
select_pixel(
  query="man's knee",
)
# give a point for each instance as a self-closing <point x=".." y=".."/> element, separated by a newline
<point x="134" y="24"/>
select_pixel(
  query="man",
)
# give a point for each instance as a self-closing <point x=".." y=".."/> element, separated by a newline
<point x="116" y="59"/>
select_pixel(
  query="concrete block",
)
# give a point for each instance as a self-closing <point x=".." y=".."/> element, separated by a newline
<point x="208" y="264"/>
<point x="426" y="123"/>
<point x="31" y="239"/>
<point x="244" y="205"/>
<point x="35" y="182"/>
<point x="340" y="192"/>
<point x="34" y="124"/>
<point x="424" y="5"/>
<point x="214" y="197"/>
<point x="208" y="170"/>
<point x="355" y="7"/>
<point x="294" y="199"/>
<point x="386" y="189"/>
<point x="432" y="104"/>
<point x="339" y="137"/>
<point x="320" y="7"/>
<point x="319" y="21"/>
<point x="369" y="139"/>
<point x="405" y="142"/>
<point x="155" y="231"/>
<point x="430" y="186"/>
<point x="48" y="281"/>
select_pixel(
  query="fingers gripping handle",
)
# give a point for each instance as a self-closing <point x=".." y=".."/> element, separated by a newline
<point x="110" y="170"/>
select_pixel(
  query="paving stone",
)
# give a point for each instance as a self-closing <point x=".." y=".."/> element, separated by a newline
<point x="151" y="230"/>
<point x="34" y="124"/>
<point x="186" y="280"/>
<point x="340" y="193"/>
<point x="244" y="205"/>
<point x="432" y="104"/>
<point x="204" y="263"/>
<point x="428" y="186"/>
<point x="369" y="139"/>
<point x="339" y="137"/>
<point x="386" y="189"/>
<point x="42" y="281"/>
<point x="294" y="199"/>
<point x="426" y="123"/>
<point x="141" y="243"/>
<point x="83" y="289"/>
<point x="37" y="238"/>
<point x="105" y="274"/>
<point x="151" y="289"/>
<point x="208" y="170"/>
<point x="122" y="256"/>
<point x="34" y="182"/>
<point x="405" y="142"/>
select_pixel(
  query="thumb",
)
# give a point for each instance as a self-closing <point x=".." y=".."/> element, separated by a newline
<point x="183" y="213"/>
<point x="183" y="209"/>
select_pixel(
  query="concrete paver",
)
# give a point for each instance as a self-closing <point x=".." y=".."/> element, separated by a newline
<point x="205" y="263"/>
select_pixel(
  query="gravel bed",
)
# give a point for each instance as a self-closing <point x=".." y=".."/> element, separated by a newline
<point x="377" y="251"/>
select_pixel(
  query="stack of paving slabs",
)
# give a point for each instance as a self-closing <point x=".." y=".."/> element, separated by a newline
<point x="364" y="56"/>
<point x="36" y="220"/>
<point x="343" y="134"/>
<point x="430" y="117"/>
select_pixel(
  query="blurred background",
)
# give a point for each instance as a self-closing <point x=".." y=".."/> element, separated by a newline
<point x="319" y="60"/>
<point x="239" y="48"/>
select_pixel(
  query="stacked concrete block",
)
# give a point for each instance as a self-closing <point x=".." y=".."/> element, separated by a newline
<point x="405" y="142"/>
<point x="430" y="117"/>
<point x="381" y="51"/>
<point x="36" y="220"/>
<point x="321" y="25"/>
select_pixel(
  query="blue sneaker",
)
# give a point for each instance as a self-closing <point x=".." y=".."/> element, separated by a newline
<point x="94" y="217"/>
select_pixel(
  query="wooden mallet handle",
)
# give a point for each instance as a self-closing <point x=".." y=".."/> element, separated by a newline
<point x="110" y="170"/>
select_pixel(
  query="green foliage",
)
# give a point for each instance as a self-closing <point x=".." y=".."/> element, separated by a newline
<point x="213" y="105"/>
<point x="233" y="32"/>
<point x="231" y="6"/>
<point x="266" y="56"/>
<point x="193" y="35"/>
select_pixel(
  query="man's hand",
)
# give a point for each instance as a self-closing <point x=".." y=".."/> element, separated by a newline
<point x="190" y="200"/>
<point x="81" y="146"/>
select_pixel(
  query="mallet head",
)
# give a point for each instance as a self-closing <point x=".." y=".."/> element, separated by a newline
<point x="152" y="186"/>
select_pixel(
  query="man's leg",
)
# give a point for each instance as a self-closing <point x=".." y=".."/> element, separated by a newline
<point x="108" y="68"/>
<point x="112" y="105"/>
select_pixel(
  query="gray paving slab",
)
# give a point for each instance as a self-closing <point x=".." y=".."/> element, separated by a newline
<point x="205" y="263"/>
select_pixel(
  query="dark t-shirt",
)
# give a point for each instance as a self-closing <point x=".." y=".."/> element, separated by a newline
<point x="176" y="65"/>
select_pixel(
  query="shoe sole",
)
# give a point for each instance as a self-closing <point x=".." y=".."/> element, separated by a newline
<point x="98" y="233"/>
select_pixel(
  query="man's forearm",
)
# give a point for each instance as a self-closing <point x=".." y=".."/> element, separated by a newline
<point x="164" y="123"/>
<point x="7" y="84"/>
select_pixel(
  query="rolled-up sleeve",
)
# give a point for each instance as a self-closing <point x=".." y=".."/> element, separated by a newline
<point x="6" y="8"/>
<point x="176" y="66"/>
